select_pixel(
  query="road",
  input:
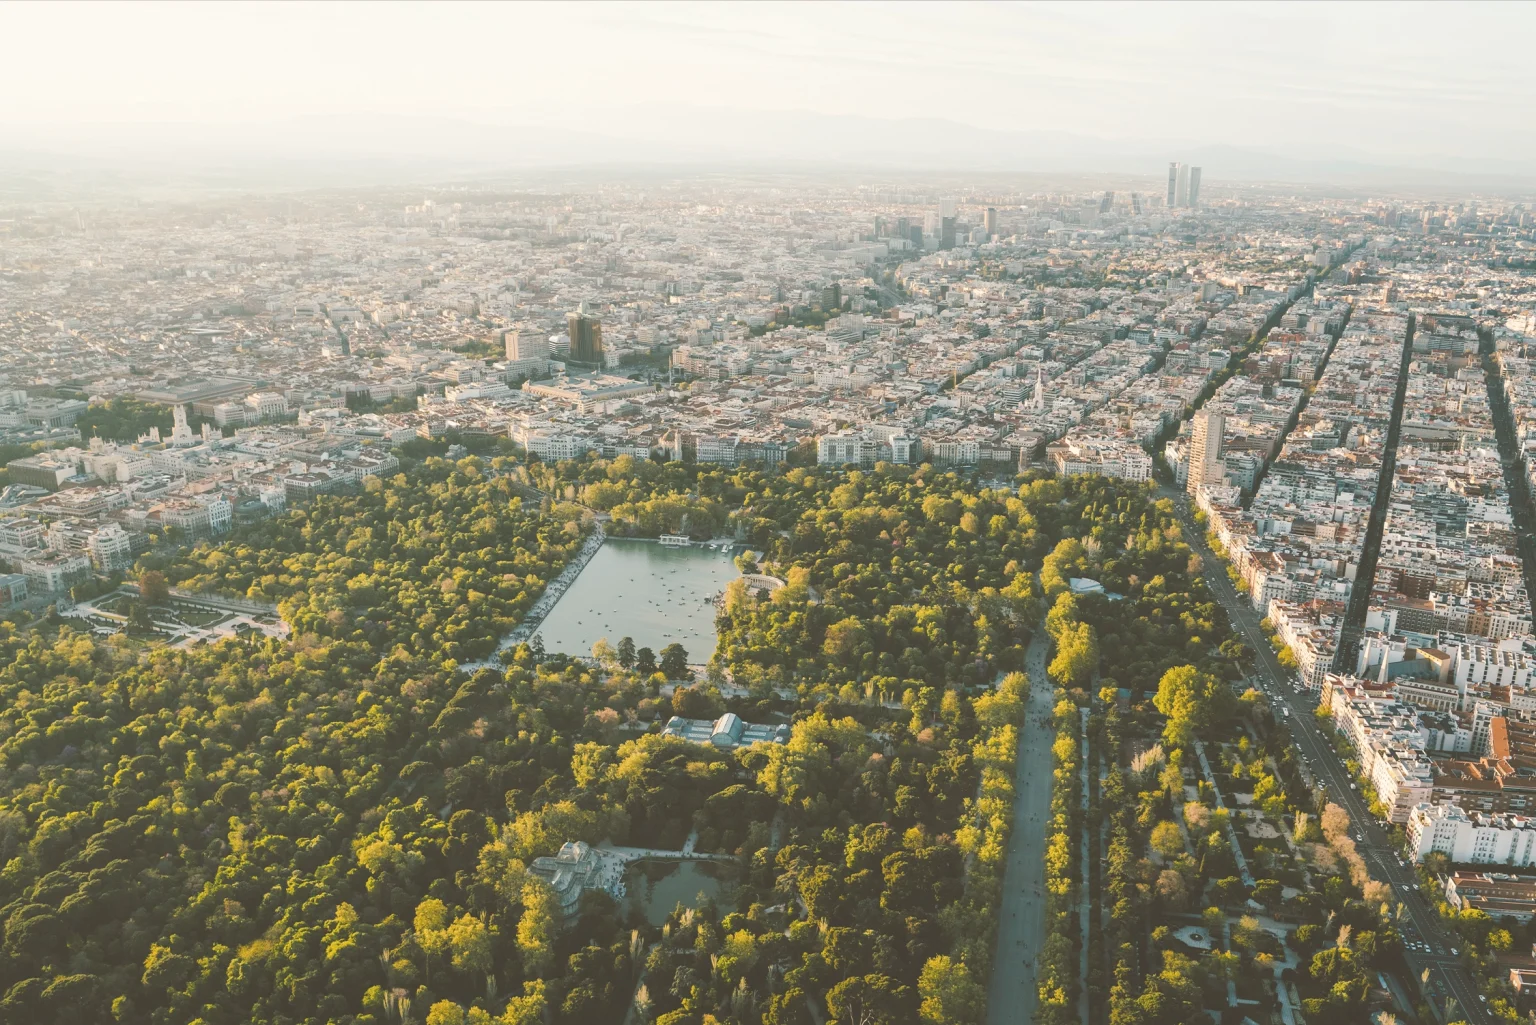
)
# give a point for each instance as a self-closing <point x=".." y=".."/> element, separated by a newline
<point x="1514" y="471"/>
<point x="1013" y="990"/>
<point x="1418" y="922"/>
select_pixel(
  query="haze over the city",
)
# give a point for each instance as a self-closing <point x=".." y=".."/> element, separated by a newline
<point x="1352" y="90"/>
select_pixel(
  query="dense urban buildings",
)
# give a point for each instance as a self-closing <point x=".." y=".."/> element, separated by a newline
<point x="1367" y="510"/>
<point x="289" y="347"/>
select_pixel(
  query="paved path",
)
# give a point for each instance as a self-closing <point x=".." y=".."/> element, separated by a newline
<point x="1085" y="855"/>
<point x="1107" y="759"/>
<point x="1013" y="990"/>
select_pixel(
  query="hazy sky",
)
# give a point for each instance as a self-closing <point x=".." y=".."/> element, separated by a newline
<point x="1379" y="79"/>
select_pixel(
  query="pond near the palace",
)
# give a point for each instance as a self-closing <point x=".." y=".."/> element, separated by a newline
<point x="641" y="589"/>
<point x="657" y="887"/>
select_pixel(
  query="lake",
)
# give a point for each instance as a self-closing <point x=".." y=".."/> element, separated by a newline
<point x="640" y="589"/>
<point x="656" y="887"/>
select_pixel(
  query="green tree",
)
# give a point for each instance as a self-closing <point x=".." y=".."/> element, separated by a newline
<point x="445" y="1012"/>
<point x="470" y="945"/>
<point x="674" y="661"/>
<point x="1077" y="656"/>
<point x="153" y="588"/>
<point x="1192" y="700"/>
<point x="1167" y="839"/>
<point x="536" y="927"/>
<point x="528" y="1009"/>
<point x="844" y="638"/>
<point x="869" y="999"/>
<point x="948" y="993"/>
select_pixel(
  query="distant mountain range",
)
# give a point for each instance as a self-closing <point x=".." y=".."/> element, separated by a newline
<point x="368" y="149"/>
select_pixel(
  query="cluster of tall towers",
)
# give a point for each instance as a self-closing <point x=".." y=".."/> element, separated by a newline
<point x="1183" y="185"/>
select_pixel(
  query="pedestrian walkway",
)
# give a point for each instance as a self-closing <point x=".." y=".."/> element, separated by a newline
<point x="1012" y="991"/>
<point x="1085" y="855"/>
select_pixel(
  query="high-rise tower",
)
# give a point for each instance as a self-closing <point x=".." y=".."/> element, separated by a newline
<point x="586" y="335"/>
<point x="1205" y="450"/>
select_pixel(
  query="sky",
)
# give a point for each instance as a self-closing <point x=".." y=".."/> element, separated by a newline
<point x="1379" y="80"/>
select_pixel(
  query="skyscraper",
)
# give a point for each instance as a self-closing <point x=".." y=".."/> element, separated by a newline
<point x="1181" y="191"/>
<point x="1107" y="203"/>
<point x="989" y="222"/>
<point x="1205" y="450"/>
<point x="1194" y="186"/>
<point x="1173" y="183"/>
<point x="948" y="215"/>
<point x="586" y="334"/>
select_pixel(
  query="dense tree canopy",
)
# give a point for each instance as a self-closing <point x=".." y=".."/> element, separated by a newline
<point x="445" y="560"/>
<point x="337" y="828"/>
